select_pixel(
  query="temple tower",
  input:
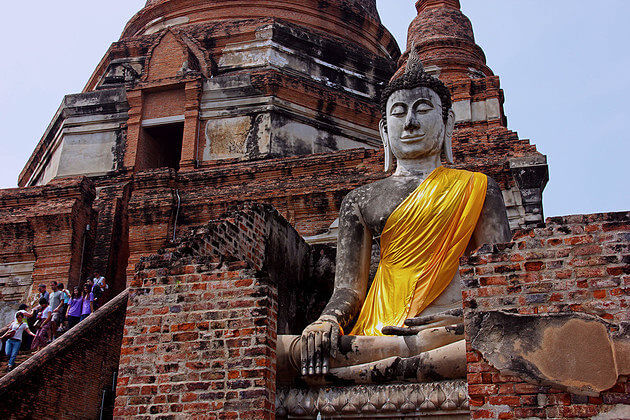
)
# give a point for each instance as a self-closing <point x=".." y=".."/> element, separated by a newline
<point x="199" y="105"/>
<point x="192" y="81"/>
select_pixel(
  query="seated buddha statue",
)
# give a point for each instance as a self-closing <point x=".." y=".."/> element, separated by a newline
<point x="407" y="325"/>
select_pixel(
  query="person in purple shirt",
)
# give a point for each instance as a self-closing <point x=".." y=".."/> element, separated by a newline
<point x="75" y="308"/>
<point x="87" y="302"/>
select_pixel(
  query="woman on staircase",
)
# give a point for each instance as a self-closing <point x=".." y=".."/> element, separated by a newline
<point x="14" y="335"/>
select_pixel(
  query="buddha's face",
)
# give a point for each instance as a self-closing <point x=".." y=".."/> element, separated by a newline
<point x="415" y="126"/>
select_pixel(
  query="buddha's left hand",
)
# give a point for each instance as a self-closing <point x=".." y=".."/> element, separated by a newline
<point x="452" y="318"/>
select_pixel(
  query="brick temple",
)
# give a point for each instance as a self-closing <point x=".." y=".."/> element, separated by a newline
<point x="201" y="171"/>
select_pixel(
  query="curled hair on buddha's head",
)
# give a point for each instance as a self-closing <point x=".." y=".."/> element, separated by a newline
<point x="414" y="77"/>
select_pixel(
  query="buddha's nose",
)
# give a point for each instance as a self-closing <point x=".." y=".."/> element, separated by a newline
<point x="411" y="122"/>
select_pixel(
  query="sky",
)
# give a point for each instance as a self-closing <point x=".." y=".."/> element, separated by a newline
<point x="563" y="68"/>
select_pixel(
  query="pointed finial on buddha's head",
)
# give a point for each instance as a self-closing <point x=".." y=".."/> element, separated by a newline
<point x="414" y="63"/>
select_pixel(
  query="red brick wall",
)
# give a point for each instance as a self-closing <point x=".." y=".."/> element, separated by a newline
<point x="110" y="251"/>
<point x="496" y="396"/>
<point x="166" y="103"/>
<point x="67" y="378"/>
<point x="167" y="58"/>
<point x="201" y="326"/>
<point x="198" y="340"/>
<point x="574" y="264"/>
<point x="307" y="191"/>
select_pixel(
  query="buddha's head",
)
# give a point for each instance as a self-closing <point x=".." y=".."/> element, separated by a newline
<point x="418" y="120"/>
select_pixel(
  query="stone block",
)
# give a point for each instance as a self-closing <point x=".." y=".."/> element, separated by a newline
<point x="463" y="112"/>
<point x="479" y="112"/>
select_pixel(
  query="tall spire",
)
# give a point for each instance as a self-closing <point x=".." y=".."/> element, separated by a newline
<point x="444" y="39"/>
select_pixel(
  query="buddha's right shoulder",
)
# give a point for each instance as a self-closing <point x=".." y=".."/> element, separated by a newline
<point x="365" y="193"/>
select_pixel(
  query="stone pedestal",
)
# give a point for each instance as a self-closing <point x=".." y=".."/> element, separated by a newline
<point x="443" y="400"/>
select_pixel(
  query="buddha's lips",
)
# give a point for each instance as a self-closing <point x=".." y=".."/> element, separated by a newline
<point x="412" y="139"/>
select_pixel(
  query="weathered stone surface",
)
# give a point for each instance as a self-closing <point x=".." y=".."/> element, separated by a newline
<point x="85" y="138"/>
<point x="574" y="352"/>
<point x="15" y="284"/>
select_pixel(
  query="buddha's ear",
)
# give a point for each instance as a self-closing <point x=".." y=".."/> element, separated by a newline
<point x="448" y="137"/>
<point x="389" y="156"/>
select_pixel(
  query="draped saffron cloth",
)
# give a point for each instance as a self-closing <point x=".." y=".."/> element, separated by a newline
<point x="421" y="244"/>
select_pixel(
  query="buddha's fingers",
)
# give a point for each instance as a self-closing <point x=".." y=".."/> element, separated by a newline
<point x="311" y="353"/>
<point x="334" y="340"/>
<point x="455" y="322"/>
<point x="325" y="351"/>
<point x="304" y="354"/>
<point x="452" y="316"/>
<point x="318" y="352"/>
<point x="400" y="331"/>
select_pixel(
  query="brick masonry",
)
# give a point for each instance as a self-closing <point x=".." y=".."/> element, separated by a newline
<point x="211" y="349"/>
<point x="201" y="324"/>
<point x="574" y="264"/>
<point x="110" y="249"/>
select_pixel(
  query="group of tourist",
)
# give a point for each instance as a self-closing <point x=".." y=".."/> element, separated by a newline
<point x="52" y="313"/>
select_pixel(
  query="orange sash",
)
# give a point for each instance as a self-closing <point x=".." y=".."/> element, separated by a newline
<point x="421" y="244"/>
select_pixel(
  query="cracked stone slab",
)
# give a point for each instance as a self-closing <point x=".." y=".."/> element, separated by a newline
<point x="580" y="353"/>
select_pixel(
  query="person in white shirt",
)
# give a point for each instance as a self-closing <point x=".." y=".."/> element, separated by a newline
<point x="98" y="289"/>
<point x="14" y="335"/>
<point x="44" y="321"/>
<point x="100" y="281"/>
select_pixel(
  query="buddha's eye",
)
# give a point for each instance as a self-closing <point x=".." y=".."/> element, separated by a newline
<point x="424" y="107"/>
<point x="398" y="110"/>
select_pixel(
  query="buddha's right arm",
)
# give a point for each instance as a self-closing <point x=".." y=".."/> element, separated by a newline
<point x="320" y="339"/>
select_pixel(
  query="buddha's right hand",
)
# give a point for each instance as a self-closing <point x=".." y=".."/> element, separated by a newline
<point x="320" y="342"/>
<point x="452" y="319"/>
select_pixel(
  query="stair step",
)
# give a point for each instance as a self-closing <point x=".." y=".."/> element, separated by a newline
<point x="21" y="358"/>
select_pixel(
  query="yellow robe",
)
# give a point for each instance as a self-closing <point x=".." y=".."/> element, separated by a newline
<point x="421" y="244"/>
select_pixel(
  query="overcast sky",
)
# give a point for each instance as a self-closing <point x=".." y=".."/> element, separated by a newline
<point x="563" y="68"/>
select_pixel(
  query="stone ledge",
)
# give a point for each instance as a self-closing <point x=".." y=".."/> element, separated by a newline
<point x="447" y="399"/>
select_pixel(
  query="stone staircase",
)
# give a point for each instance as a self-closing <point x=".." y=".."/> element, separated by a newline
<point x="21" y="358"/>
<point x="23" y="355"/>
<point x="90" y="352"/>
